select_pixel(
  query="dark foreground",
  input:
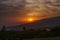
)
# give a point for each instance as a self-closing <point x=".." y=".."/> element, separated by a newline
<point x="46" y="34"/>
<point x="52" y="38"/>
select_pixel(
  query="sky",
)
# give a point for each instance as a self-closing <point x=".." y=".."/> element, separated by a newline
<point x="14" y="12"/>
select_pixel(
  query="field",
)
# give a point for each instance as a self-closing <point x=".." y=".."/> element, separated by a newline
<point x="53" y="38"/>
<point x="53" y="34"/>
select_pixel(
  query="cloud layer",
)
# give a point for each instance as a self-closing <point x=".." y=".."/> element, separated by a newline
<point x="11" y="10"/>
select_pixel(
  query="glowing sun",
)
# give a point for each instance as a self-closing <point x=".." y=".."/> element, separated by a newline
<point x="30" y="19"/>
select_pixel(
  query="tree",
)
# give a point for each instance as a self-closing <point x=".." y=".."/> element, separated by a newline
<point x="24" y="28"/>
<point x="3" y="29"/>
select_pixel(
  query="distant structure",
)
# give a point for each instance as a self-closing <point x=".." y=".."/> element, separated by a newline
<point x="4" y="29"/>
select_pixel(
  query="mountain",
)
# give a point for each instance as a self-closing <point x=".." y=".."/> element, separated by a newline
<point x="49" y="22"/>
<point x="40" y="24"/>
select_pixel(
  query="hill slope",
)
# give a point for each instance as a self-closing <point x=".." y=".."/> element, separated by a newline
<point x="50" y="22"/>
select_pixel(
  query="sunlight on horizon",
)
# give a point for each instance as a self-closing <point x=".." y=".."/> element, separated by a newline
<point x="30" y="19"/>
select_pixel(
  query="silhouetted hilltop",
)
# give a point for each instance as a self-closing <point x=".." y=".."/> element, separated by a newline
<point x="49" y="22"/>
<point x="40" y="24"/>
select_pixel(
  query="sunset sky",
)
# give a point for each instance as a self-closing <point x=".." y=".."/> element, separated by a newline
<point x="14" y="12"/>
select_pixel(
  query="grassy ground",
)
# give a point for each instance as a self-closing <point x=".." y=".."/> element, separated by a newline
<point x="31" y="35"/>
<point x="53" y="38"/>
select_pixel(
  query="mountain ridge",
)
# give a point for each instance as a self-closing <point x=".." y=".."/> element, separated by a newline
<point x="50" y="22"/>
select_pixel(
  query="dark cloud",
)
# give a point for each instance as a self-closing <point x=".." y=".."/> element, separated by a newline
<point x="9" y="13"/>
<point x="11" y="10"/>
